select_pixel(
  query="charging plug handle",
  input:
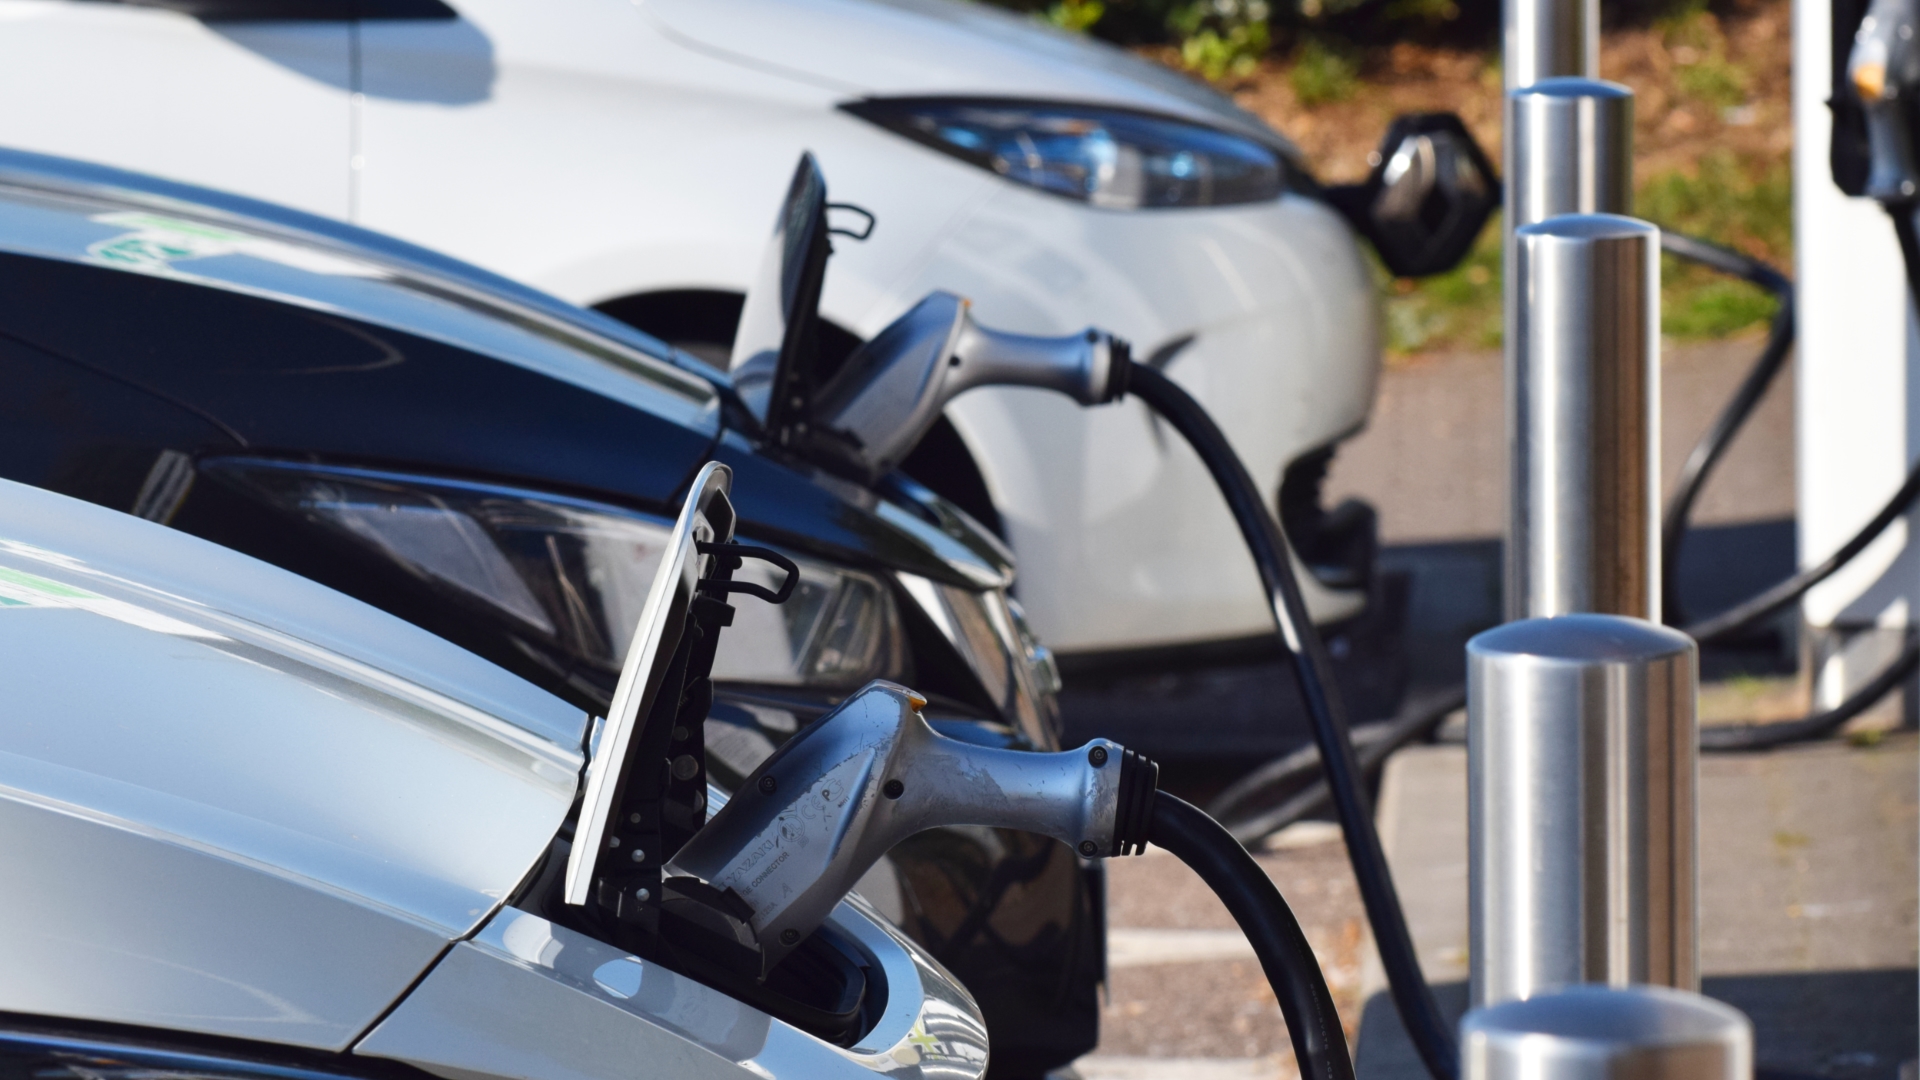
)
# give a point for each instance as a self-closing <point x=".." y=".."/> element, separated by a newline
<point x="876" y="409"/>
<point x="826" y="806"/>
<point x="1090" y="367"/>
<point x="823" y="809"/>
<point x="1883" y="69"/>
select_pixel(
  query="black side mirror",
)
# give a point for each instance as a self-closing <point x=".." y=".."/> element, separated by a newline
<point x="1430" y="194"/>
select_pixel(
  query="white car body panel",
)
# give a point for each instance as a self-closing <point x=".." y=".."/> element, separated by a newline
<point x="607" y="148"/>
<point x="239" y="106"/>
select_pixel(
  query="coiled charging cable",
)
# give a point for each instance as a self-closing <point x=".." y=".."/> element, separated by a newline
<point x="1708" y="452"/>
<point x="1713" y="444"/>
<point x="1413" y="999"/>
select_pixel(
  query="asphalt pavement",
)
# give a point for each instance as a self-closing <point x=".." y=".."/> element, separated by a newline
<point x="1432" y="461"/>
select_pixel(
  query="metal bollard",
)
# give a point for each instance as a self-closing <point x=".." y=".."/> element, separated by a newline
<point x="1583" y="427"/>
<point x="1601" y="1033"/>
<point x="1543" y="39"/>
<point x="1581" y="821"/>
<point x="1568" y="150"/>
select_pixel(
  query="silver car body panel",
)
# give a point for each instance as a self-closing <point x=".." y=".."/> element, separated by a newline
<point x="535" y="1001"/>
<point x="234" y="802"/>
<point x="238" y="803"/>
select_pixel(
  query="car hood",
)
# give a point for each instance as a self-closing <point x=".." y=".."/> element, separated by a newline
<point x="88" y="214"/>
<point x="900" y="47"/>
<point x="247" y="805"/>
<point x="488" y="354"/>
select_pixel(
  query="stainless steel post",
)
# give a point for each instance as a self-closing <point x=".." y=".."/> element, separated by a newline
<point x="1581" y="822"/>
<point x="1583" y="427"/>
<point x="1548" y="38"/>
<point x="1568" y="150"/>
<point x="1599" y="1033"/>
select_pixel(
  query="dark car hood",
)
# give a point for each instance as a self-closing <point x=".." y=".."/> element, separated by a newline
<point x="333" y="346"/>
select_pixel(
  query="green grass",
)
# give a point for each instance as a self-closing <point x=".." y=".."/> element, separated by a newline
<point x="1725" y="200"/>
<point x="1714" y="80"/>
<point x="1457" y="309"/>
<point x="1732" y="203"/>
<point x="1216" y="55"/>
<point x="1699" y="50"/>
<point x="1076" y="15"/>
<point x="1323" y="72"/>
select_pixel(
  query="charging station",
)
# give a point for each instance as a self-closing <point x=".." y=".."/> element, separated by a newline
<point x="1856" y="421"/>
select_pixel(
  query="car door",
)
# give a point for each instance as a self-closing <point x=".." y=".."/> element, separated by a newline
<point x="249" y="96"/>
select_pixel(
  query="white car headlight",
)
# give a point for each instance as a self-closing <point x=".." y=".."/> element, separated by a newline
<point x="1112" y="158"/>
<point x="574" y="574"/>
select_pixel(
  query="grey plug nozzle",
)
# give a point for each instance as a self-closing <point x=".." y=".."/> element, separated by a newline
<point x="1884" y="70"/>
<point x="822" y="810"/>
<point x="877" y="408"/>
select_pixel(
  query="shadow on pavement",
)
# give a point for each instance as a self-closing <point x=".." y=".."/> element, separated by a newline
<point x="1456" y="592"/>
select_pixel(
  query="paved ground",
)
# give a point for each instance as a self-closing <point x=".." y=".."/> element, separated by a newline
<point x="1186" y="998"/>
<point x="1809" y="893"/>
<point x="1433" y="461"/>
<point x="1809" y="904"/>
<point x="1433" y="457"/>
<point x="1810" y="914"/>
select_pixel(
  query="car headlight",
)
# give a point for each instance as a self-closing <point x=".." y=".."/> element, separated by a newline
<point x="1111" y="158"/>
<point x="1040" y="659"/>
<point x="985" y="628"/>
<point x="573" y="574"/>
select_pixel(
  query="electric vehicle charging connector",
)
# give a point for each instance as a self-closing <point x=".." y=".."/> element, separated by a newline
<point x="770" y="866"/>
<point x="885" y="397"/>
<point x="819" y="813"/>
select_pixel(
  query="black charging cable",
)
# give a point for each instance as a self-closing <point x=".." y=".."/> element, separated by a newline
<point x="1708" y="452"/>
<point x="1431" y="1034"/>
<point x="1334" y="754"/>
<point x="1289" y="788"/>
<point x="1745" y="614"/>
<point x="1713" y="444"/>
<point x="1319" y="1043"/>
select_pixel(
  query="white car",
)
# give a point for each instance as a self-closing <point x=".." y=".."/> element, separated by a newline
<point x="627" y="154"/>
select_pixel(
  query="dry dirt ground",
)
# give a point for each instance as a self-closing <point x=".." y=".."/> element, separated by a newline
<point x="1672" y="127"/>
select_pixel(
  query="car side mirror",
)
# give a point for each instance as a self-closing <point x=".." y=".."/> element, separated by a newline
<point x="1430" y="193"/>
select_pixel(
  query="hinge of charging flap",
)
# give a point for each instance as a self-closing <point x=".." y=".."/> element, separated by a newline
<point x="665" y="801"/>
